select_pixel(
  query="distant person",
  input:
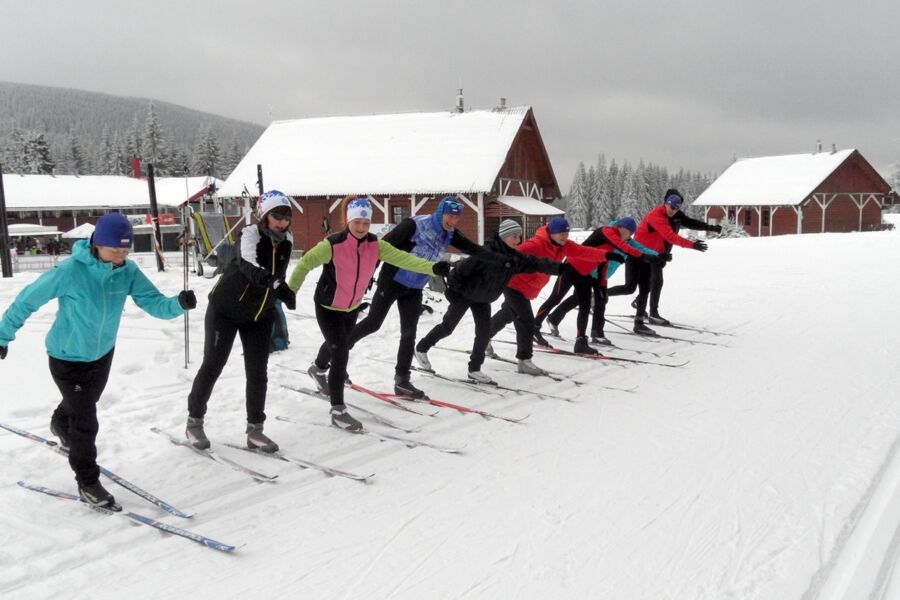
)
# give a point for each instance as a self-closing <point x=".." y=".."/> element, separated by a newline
<point x="657" y="231"/>
<point x="91" y="289"/>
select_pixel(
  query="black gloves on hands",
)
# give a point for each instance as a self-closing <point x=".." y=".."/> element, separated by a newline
<point x="715" y="228"/>
<point x="187" y="299"/>
<point x="666" y="257"/>
<point x="441" y="268"/>
<point x="286" y="295"/>
<point x="2" y="352"/>
<point x="614" y="257"/>
<point x="700" y="245"/>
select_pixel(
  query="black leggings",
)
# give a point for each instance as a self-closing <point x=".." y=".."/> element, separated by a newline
<point x="409" y="303"/>
<point x="81" y="384"/>
<point x="564" y="282"/>
<point x="459" y="304"/>
<point x="516" y="308"/>
<point x="556" y="317"/>
<point x="220" y="334"/>
<point x="647" y="278"/>
<point x="336" y="327"/>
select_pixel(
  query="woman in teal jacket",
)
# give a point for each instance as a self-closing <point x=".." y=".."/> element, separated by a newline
<point x="91" y="288"/>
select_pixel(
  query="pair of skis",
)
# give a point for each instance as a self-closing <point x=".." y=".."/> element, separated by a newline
<point x="383" y="437"/>
<point x="598" y="356"/>
<point x="55" y="447"/>
<point x="135" y="518"/>
<point x="132" y="516"/>
<point x="681" y="326"/>
<point x="256" y="475"/>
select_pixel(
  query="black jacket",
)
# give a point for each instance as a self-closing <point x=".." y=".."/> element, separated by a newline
<point x="244" y="290"/>
<point x="484" y="280"/>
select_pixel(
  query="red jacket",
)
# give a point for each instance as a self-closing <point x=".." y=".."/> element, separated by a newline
<point x="531" y="284"/>
<point x="655" y="230"/>
<point x="608" y="240"/>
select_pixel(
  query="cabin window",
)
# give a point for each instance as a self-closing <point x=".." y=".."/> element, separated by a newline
<point x="398" y="213"/>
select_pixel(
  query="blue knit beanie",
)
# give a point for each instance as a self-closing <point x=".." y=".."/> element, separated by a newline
<point x="628" y="223"/>
<point x="113" y="230"/>
<point x="674" y="199"/>
<point x="557" y="225"/>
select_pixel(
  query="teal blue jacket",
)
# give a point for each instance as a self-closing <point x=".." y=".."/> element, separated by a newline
<point x="91" y="296"/>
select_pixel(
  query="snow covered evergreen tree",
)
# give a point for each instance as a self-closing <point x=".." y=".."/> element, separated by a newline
<point x="154" y="143"/>
<point x="591" y="192"/>
<point x="613" y="195"/>
<point x="604" y="209"/>
<point x="37" y="159"/>
<point x="577" y="202"/>
<point x="207" y="155"/>
<point x="77" y="163"/>
<point x="13" y="156"/>
<point x="631" y="203"/>
<point x="133" y="140"/>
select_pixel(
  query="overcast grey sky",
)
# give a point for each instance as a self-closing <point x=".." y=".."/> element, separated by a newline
<point x="681" y="84"/>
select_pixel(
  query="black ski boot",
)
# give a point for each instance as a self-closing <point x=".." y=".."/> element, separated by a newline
<point x="581" y="346"/>
<point x="540" y="340"/>
<point x="655" y="319"/>
<point x="61" y="432"/>
<point x="96" y="495"/>
<point x="641" y="329"/>
<point x="404" y="387"/>
<point x="599" y="338"/>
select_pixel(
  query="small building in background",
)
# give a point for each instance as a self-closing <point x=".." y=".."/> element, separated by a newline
<point x="65" y="202"/>
<point x="835" y="191"/>
<point x="494" y="160"/>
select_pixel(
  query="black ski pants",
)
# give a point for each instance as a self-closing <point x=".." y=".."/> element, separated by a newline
<point x="516" y="309"/>
<point x="648" y="280"/>
<point x="409" y="303"/>
<point x="599" y="317"/>
<point x="81" y="384"/>
<point x="564" y="282"/>
<point x="334" y="353"/>
<point x="459" y="304"/>
<point x="219" y="339"/>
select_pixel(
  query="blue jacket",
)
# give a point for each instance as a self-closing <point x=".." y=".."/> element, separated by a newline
<point x="91" y="296"/>
<point x="431" y="242"/>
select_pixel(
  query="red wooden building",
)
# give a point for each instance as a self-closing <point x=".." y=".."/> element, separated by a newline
<point x="495" y="160"/>
<point x="835" y="191"/>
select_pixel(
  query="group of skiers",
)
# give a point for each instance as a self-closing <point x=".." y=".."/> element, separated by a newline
<point x="92" y="287"/>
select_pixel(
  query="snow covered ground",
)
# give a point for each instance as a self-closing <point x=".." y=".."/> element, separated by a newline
<point x="765" y="468"/>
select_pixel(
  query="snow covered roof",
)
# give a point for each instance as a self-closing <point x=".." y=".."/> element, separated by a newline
<point x="529" y="206"/>
<point x="772" y="180"/>
<point x="28" y="229"/>
<point x="64" y="192"/>
<point x="415" y="153"/>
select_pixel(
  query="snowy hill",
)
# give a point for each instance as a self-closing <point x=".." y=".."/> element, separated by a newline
<point x="765" y="468"/>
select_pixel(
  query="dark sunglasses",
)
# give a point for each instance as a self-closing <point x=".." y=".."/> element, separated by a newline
<point x="281" y="215"/>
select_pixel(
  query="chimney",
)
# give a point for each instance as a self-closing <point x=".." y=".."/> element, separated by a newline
<point x="818" y="146"/>
<point x="460" y="104"/>
<point x="136" y="167"/>
<point x="502" y="102"/>
<point x="833" y="148"/>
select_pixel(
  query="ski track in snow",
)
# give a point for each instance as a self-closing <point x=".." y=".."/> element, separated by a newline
<point x="765" y="469"/>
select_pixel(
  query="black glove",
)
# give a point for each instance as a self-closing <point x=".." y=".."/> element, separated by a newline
<point x="715" y="228"/>
<point x="700" y="245"/>
<point x="441" y="268"/>
<point x="666" y="257"/>
<point x="2" y="352"/>
<point x="652" y="260"/>
<point x="286" y="295"/>
<point x="614" y="257"/>
<point x="187" y="300"/>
